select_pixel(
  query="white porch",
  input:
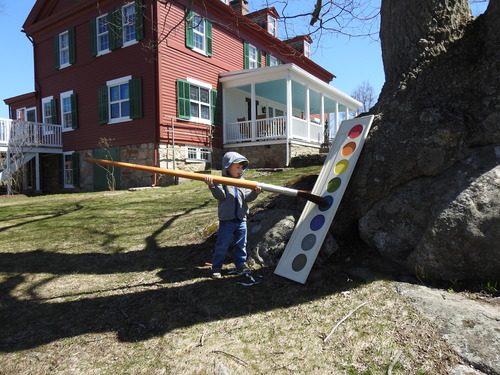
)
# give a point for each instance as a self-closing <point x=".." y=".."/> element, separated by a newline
<point x="282" y="103"/>
<point x="22" y="141"/>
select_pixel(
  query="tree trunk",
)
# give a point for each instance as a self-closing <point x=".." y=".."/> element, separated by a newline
<point x="425" y="190"/>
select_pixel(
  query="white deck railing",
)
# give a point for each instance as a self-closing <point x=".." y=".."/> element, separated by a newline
<point x="16" y="133"/>
<point x="271" y="129"/>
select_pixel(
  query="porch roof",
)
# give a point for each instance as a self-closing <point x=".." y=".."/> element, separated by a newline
<point x="271" y="87"/>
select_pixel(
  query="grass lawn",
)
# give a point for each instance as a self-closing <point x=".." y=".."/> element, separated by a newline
<point x="116" y="283"/>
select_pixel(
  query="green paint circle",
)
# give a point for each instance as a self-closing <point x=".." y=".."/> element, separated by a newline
<point x="333" y="184"/>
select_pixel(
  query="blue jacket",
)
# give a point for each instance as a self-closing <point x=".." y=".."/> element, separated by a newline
<point x="232" y="200"/>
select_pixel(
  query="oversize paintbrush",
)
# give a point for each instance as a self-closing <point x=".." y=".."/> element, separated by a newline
<point x="218" y="179"/>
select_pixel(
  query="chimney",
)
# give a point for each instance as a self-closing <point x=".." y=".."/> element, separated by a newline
<point x="241" y="6"/>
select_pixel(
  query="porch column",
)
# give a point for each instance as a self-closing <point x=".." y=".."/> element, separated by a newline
<point x="288" y="116"/>
<point x="37" y="171"/>
<point x="253" y="112"/>
<point x="336" y="127"/>
<point x="322" y="116"/>
<point x="308" y="113"/>
<point x="224" y="127"/>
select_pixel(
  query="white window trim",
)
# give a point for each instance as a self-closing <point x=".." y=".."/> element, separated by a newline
<point x="107" y="50"/>
<point x="44" y="101"/>
<point x="204" y="35"/>
<point x="252" y="63"/>
<point x="62" y="96"/>
<point x="65" y="65"/>
<point x="65" y="185"/>
<point x="307" y="49"/>
<point x="133" y="41"/>
<point x="207" y="86"/>
<point x="272" y="25"/>
<point x="115" y="82"/>
<point x="198" y="158"/>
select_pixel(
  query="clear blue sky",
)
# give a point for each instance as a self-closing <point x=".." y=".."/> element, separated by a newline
<point x="352" y="60"/>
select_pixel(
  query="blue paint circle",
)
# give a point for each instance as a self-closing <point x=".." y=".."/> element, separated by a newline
<point x="317" y="222"/>
<point x="299" y="262"/>
<point x="329" y="202"/>
<point x="308" y="242"/>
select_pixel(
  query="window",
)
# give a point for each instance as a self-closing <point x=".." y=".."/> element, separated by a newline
<point x="271" y="60"/>
<point x="128" y="24"/>
<point x="68" y="110"/>
<point x="69" y="169"/>
<point x="120" y="100"/>
<point x="198" y="33"/>
<point x="102" y="34"/>
<point x="49" y="114"/>
<point x="307" y="49"/>
<point x="194" y="153"/>
<point x="64" y="49"/>
<point x="120" y="27"/>
<point x="199" y="102"/>
<point x="196" y="101"/>
<point x="272" y="26"/>
<point x="252" y="56"/>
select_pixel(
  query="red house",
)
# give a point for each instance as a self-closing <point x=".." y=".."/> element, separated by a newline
<point x="171" y="84"/>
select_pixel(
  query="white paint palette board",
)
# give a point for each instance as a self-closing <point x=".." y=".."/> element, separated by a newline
<point x="311" y="228"/>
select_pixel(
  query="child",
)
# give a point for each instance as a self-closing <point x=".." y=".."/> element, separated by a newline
<point x="233" y="211"/>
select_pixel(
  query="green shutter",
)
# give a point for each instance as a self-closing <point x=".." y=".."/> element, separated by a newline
<point x="102" y="99"/>
<point x="215" y="107"/>
<point x="115" y="28"/>
<point x="75" y="163"/>
<point x="56" y="52"/>
<point x="135" y="86"/>
<point x="189" y="29"/>
<point x="208" y="36"/>
<point x="183" y="106"/>
<point x="53" y="110"/>
<point x="93" y="37"/>
<point x="72" y="45"/>
<point x="74" y="112"/>
<point x="259" y="58"/>
<point x="139" y="20"/>
<point x="268" y="58"/>
<point x="245" y="55"/>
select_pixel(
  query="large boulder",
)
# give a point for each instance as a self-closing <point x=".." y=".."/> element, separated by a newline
<point x="443" y="226"/>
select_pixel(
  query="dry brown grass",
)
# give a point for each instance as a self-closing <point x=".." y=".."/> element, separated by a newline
<point x="132" y="295"/>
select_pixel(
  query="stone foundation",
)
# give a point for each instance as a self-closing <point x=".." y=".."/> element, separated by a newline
<point x="271" y="156"/>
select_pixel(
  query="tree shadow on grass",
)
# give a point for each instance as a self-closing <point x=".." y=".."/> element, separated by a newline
<point x="185" y="296"/>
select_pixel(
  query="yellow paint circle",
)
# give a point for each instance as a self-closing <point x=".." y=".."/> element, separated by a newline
<point x="341" y="166"/>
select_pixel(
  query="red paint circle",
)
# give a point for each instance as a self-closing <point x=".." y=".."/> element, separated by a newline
<point x="355" y="131"/>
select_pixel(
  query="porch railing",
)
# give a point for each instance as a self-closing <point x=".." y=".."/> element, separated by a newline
<point x="271" y="129"/>
<point x="16" y="133"/>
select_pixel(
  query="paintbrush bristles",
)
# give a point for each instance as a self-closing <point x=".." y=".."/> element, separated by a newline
<point x="320" y="201"/>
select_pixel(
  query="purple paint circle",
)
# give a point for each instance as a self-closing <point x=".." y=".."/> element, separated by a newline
<point x="308" y="242"/>
<point x="299" y="262"/>
<point x="329" y="202"/>
<point x="317" y="222"/>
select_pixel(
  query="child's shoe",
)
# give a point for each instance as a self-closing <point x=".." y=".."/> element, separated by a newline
<point x="216" y="275"/>
<point x="243" y="270"/>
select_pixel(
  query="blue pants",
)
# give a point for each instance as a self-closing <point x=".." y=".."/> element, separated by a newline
<point x="229" y="230"/>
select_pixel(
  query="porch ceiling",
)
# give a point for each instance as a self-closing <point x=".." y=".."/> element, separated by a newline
<point x="270" y="83"/>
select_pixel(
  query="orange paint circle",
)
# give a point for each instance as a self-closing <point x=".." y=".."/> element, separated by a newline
<point x="348" y="149"/>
